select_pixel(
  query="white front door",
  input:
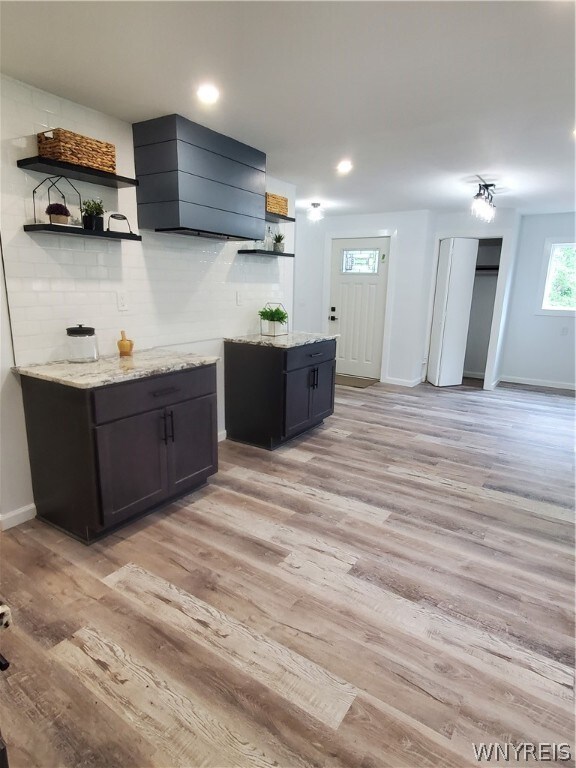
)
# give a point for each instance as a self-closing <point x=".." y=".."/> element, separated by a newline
<point x="358" y="301"/>
<point x="451" y="316"/>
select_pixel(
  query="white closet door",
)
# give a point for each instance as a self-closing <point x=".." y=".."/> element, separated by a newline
<point x="452" y="303"/>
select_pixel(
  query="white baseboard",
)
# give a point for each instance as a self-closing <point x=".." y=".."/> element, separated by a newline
<point x="539" y="382"/>
<point x="17" y="516"/>
<point x="402" y="382"/>
<point x="221" y="435"/>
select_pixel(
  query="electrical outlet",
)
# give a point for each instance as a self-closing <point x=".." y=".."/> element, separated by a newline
<point x="238" y="299"/>
<point x="122" y="301"/>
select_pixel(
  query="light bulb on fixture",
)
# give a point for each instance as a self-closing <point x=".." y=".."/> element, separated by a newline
<point x="314" y="212"/>
<point x="482" y="203"/>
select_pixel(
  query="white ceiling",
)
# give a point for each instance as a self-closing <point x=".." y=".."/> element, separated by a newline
<point x="421" y="96"/>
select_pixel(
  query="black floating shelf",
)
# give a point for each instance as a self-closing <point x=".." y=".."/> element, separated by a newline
<point x="262" y="252"/>
<point x="200" y="233"/>
<point x="62" y="229"/>
<point x="78" y="172"/>
<point x="277" y="218"/>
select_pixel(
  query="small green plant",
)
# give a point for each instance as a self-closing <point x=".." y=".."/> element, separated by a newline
<point x="92" y="208"/>
<point x="278" y="238"/>
<point x="274" y="314"/>
<point x="57" y="209"/>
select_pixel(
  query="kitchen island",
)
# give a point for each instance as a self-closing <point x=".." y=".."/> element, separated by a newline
<point x="277" y="387"/>
<point x="114" y="439"/>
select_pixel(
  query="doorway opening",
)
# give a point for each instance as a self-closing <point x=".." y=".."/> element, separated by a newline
<point x="464" y="302"/>
<point x="482" y="308"/>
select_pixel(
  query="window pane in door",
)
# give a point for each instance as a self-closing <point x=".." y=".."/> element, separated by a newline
<point x="360" y="262"/>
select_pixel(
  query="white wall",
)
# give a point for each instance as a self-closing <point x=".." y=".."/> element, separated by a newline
<point x="16" y="503"/>
<point x="538" y="349"/>
<point x="409" y="275"/>
<point x="181" y="290"/>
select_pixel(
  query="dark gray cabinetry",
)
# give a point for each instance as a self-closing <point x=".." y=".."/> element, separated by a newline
<point x="274" y="394"/>
<point x="193" y="180"/>
<point x="100" y="457"/>
<point x="309" y="396"/>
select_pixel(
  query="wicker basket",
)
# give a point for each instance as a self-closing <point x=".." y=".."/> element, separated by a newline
<point x="276" y="204"/>
<point x="59" y="144"/>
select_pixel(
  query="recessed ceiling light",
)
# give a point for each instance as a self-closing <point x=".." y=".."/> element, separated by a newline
<point x="344" y="166"/>
<point x="208" y="93"/>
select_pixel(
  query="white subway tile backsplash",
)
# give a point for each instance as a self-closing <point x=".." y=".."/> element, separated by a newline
<point x="19" y="268"/>
<point x="179" y="289"/>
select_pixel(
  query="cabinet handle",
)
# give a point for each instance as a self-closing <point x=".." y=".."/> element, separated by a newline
<point x="172" y="423"/>
<point x="316" y="378"/>
<point x="311" y="378"/>
<point x="163" y="392"/>
<point x="165" y="431"/>
<point x="315" y="354"/>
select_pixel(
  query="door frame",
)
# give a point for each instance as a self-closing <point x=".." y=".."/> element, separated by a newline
<point x="503" y="289"/>
<point x="351" y="234"/>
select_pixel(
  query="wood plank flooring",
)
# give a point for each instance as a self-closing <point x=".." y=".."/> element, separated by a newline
<point x="381" y="593"/>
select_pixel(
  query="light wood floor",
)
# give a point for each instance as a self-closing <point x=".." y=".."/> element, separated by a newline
<point x="382" y="592"/>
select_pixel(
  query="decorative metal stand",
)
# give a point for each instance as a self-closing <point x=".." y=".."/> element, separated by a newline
<point x="118" y="217"/>
<point x="273" y="327"/>
<point x="53" y="185"/>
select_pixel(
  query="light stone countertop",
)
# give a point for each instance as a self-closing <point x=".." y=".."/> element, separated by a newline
<point x="296" y="339"/>
<point x="113" y="369"/>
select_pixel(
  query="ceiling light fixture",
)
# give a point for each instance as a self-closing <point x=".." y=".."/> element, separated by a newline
<point x="344" y="166"/>
<point x="314" y="212"/>
<point x="208" y="93"/>
<point x="482" y="203"/>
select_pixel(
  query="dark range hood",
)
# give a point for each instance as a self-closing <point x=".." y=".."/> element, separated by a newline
<point x="194" y="181"/>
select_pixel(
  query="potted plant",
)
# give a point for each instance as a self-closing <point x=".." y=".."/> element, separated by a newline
<point x="93" y="215"/>
<point x="58" y="213"/>
<point x="273" y="320"/>
<point x="279" y="243"/>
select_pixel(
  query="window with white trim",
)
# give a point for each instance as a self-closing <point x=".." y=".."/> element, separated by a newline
<point x="560" y="287"/>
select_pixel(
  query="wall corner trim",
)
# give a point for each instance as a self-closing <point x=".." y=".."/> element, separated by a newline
<point x="17" y="516"/>
<point x="221" y="435"/>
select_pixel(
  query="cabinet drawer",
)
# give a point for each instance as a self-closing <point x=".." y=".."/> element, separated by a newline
<point x="120" y="400"/>
<point x="309" y="354"/>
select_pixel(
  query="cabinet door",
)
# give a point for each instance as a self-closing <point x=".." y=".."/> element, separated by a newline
<point x="132" y="463"/>
<point x="298" y="401"/>
<point x="323" y="390"/>
<point x="192" y="443"/>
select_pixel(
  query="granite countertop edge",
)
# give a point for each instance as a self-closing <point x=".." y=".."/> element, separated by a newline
<point x="113" y="369"/>
<point x="293" y="339"/>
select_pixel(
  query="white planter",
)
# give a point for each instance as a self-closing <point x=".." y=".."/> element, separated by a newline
<point x="273" y="328"/>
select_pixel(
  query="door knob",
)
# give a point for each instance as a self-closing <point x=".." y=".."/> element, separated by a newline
<point x="332" y="317"/>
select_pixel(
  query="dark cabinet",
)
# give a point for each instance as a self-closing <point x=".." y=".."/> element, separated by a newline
<point x="100" y="457"/>
<point x="309" y="396"/>
<point x="274" y="394"/>
<point x="132" y="459"/>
